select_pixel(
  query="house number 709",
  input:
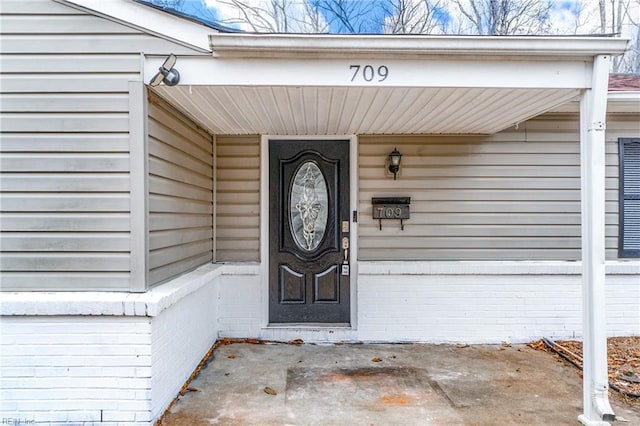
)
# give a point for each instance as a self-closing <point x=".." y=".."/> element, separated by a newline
<point x="369" y="73"/>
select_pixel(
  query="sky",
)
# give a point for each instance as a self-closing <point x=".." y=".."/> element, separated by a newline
<point x="563" y="15"/>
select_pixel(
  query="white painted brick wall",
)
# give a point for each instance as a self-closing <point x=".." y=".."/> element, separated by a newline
<point x="487" y="308"/>
<point x="464" y="308"/>
<point x="104" y="369"/>
<point x="62" y="369"/>
<point x="240" y="306"/>
<point x="623" y="305"/>
<point x="475" y="302"/>
<point x="181" y="336"/>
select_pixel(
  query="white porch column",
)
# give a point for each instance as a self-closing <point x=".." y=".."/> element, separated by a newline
<point x="593" y="106"/>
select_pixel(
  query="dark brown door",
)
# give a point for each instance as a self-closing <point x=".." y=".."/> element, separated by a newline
<point x="308" y="227"/>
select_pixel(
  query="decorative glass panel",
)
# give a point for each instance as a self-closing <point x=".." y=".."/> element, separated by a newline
<point x="308" y="204"/>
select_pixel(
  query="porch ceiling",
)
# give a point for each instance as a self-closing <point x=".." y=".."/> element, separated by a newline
<point x="311" y="110"/>
<point x="286" y="84"/>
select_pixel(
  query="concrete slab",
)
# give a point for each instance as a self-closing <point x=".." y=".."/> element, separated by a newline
<point x="382" y="384"/>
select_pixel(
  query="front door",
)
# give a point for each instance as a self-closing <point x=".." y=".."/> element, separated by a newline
<point x="309" y="231"/>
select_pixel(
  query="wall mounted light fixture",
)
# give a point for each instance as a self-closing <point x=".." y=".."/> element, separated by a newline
<point x="395" y="157"/>
<point x="166" y="73"/>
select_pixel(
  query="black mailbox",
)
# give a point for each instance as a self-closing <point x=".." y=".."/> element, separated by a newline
<point x="391" y="208"/>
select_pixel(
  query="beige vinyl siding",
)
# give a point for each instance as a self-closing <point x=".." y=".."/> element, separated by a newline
<point x="47" y="27"/>
<point x="180" y="193"/>
<point x="65" y="162"/>
<point x="238" y="198"/>
<point x="511" y="196"/>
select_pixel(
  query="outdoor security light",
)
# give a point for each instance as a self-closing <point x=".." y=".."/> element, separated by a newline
<point x="167" y="74"/>
<point x="394" y="162"/>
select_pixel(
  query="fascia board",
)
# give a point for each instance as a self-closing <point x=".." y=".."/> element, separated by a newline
<point x="617" y="103"/>
<point x="625" y="102"/>
<point x="331" y="46"/>
<point x="624" y="96"/>
<point x="148" y="20"/>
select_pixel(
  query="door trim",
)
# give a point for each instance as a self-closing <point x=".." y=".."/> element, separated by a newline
<point x="264" y="222"/>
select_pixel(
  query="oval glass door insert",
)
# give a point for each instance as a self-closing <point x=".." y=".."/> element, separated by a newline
<point x="308" y="204"/>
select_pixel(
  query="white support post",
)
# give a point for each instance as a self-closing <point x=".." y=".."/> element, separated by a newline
<point x="593" y="106"/>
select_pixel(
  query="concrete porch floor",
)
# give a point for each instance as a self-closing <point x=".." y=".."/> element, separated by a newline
<point x="383" y="384"/>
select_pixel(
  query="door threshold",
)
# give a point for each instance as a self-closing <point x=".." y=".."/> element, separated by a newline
<point x="309" y="325"/>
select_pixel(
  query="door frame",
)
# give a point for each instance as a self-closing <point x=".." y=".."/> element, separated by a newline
<point x="264" y="222"/>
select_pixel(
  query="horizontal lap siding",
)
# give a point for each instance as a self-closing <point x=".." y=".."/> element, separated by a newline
<point x="180" y="193"/>
<point x="65" y="146"/>
<point x="511" y="196"/>
<point x="238" y="198"/>
<point x="46" y="27"/>
<point x="618" y="126"/>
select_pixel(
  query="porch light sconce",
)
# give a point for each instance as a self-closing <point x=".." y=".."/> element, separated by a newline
<point x="394" y="159"/>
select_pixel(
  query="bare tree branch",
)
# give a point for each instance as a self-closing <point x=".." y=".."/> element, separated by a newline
<point x="603" y="16"/>
<point x="352" y="16"/>
<point x="276" y="16"/>
<point x="492" y="17"/>
<point x="412" y="17"/>
<point x="505" y="17"/>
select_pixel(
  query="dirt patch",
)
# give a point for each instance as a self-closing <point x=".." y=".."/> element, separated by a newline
<point x="623" y="365"/>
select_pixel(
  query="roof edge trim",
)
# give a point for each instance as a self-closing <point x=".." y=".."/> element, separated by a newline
<point x="621" y="96"/>
<point x="333" y="45"/>
<point x="149" y="20"/>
